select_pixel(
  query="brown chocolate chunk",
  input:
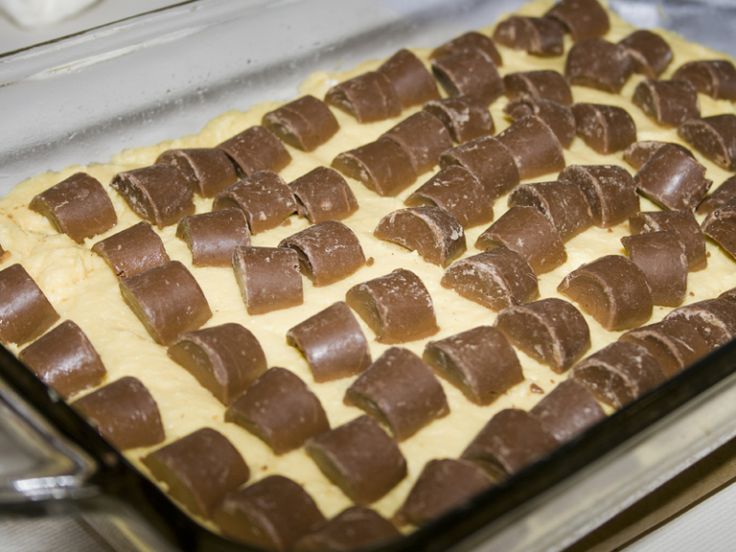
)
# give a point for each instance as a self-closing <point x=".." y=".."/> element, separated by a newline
<point x="256" y="149"/>
<point x="488" y="160"/>
<point x="582" y="18"/>
<point x="25" y="312"/>
<point x="569" y="409"/>
<point x="133" y="250"/>
<point x="729" y="294"/>
<point x="332" y="342"/>
<point x="199" y="469"/>
<point x="410" y="79"/>
<point x="279" y="409"/>
<point x="480" y="362"/>
<point x="612" y="289"/>
<point x="268" y="277"/>
<point x="212" y="237"/>
<point x="468" y="73"/>
<point x="561" y="201"/>
<point x="167" y="300"/>
<point x="368" y="97"/>
<point x="713" y="319"/>
<point x="465" y="118"/>
<point x="720" y="226"/>
<point x="543" y="84"/>
<point x="360" y="458"/>
<point x="469" y="42"/>
<point x="597" y="63"/>
<point x="538" y="36"/>
<point x="397" y="307"/>
<point x="724" y="194"/>
<point x="604" y="128"/>
<point x="159" y="194"/>
<point x="304" y="123"/>
<point x="683" y="223"/>
<point x="354" y="527"/>
<point x="208" y="169"/>
<point x="534" y="147"/>
<point x="558" y="117"/>
<point x="124" y="412"/>
<point x="224" y="359"/>
<point x="78" y="206"/>
<point x="648" y="51"/>
<point x="65" y="360"/>
<point x="383" y="166"/>
<point x="713" y="77"/>
<point x="423" y="137"/>
<point x="714" y="137"/>
<point x="551" y="331"/>
<point x="322" y="194"/>
<point x="668" y="102"/>
<point x="639" y="152"/>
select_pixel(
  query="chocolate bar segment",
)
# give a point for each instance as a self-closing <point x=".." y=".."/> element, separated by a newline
<point x="423" y="137"/>
<point x="368" y="97"/>
<point x="354" y="527"/>
<point x="488" y="160"/>
<point x="604" y="128"/>
<point x="209" y="170"/>
<point x="720" y="226"/>
<point x="25" y="312"/>
<point x="649" y="52"/>
<point x="268" y="277"/>
<point x="534" y="147"/>
<point x="639" y="152"/>
<point x="714" y="137"/>
<point x="464" y="117"/>
<point x="133" y="250"/>
<point x="322" y="194"/>
<point x="212" y="237"/>
<point x="583" y="19"/>
<point x="714" y="77"/>
<point x="558" y="117"/>
<point x="713" y="319"/>
<point x="304" y="123"/>
<point x="538" y="36"/>
<point x="256" y="149"/>
<point x="597" y="63"/>
<point x="383" y="166"/>
<point x="562" y="202"/>
<point x="542" y="84"/>
<point x="468" y="73"/>
<point x="410" y="79"/>
<point x="469" y="42"/>
<point x="569" y="409"/>
<point x="669" y="102"/>
<point x="683" y="223"/>
<point x="724" y="194"/>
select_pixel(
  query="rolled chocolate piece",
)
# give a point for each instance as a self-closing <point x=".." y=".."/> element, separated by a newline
<point x="368" y="97"/>
<point x="480" y="362"/>
<point x="124" y="412"/>
<point x="397" y="307"/>
<point x="208" y="169"/>
<point x="328" y="251"/>
<point x="271" y="514"/>
<point x="458" y="192"/>
<point x="167" y="300"/>
<point x="465" y="118"/>
<point x="661" y="257"/>
<point x="729" y="294"/>
<point x="582" y="18"/>
<point x="604" y="128"/>
<point x="529" y="233"/>
<point x="469" y="42"/>
<point x="724" y="194"/>
<point x="714" y="77"/>
<point x="354" y="527"/>
<point x="720" y="226"/>
<point x="683" y="223"/>
<point x="510" y="441"/>
<point x="256" y="149"/>
<point x="224" y="359"/>
<point x="534" y="147"/>
<point x="332" y="342"/>
<point x="304" y="123"/>
<point x="538" y="36"/>
<point x="25" y="312"/>
<point x="65" y="360"/>
<point x="543" y="84"/>
<point x="608" y="189"/>
<point x="133" y="250"/>
<point x="443" y="485"/>
<point x="199" y="469"/>
<point x="713" y="319"/>
<point x="612" y="289"/>
<point x="78" y="206"/>
<point x="423" y="137"/>
<point x="431" y="231"/>
<point x="669" y="102"/>
<point x="569" y="409"/>
<point x="648" y="51"/>
<point x="639" y="152"/>
<point x="383" y="166"/>
<point x="263" y="196"/>
<point x="159" y="194"/>
<point x="673" y="179"/>
<point x="494" y="279"/>
<point x="268" y="277"/>
<point x="597" y="63"/>
<point x="212" y="237"/>
<point x="714" y="137"/>
<point x="619" y="373"/>
<point x="322" y="194"/>
<point x="551" y="331"/>
<point x="279" y="409"/>
<point x="489" y="161"/>
<point x="360" y="458"/>
<point x="558" y="117"/>
<point x="399" y="390"/>
<point x="410" y="79"/>
<point x="468" y="73"/>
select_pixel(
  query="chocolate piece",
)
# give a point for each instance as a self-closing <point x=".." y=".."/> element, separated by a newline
<point x="538" y="36"/>
<point x="25" y="312"/>
<point x="383" y="166"/>
<point x="133" y="250"/>
<point x="256" y="149"/>
<point x="322" y="194"/>
<point x="724" y="194"/>
<point x="263" y="196"/>
<point x="78" y="206"/>
<point x="713" y="319"/>
<point x="534" y="147"/>
<point x="360" y="458"/>
<point x="423" y="137"/>
<point x="410" y="79"/>
<point x="639" y="152"/>
<point x="224" y="359"/>
<point x="604" y="128"/>
<point x="558" y="117"/>
<point x="468" y="73"/>
<point x="544" y="84"/>
<point x="480" y="362"/>
<point x="714" y="137"/>
<point x="354" y="527"/>
<point x="597" y="63"/>
<point x="469" y="42"/>
<point x="608" y="189"/>
<point x="279" y="409"/>
<point x="465" y="118"/>
<point x="328" y="252"/>
<point x="582" y="18"/>
<point x="510" y="441"/>
<point x="199" y="469"/>
<point x="268" y="277"/>
<point x="669" y="102"/>
<point x="729" y="294"/>
<point x="212" y="237"/>
<point x="619" y="373"/>
<point x="488" y="160"/>
<point x="124" y="412"/>
<point x="529" y="233"/>
<point x="612" y="289"/>
<point x="431" y="231"/>
<point x="304" y="124"/>
<point x="397" y="307"/>
<point x="648" y="51"/>
<point x="208" y="169"/>
<point x="332" y="342"/>
<point x="64" y="359"/>
<point x="368" y="97"/>
<point x="569" y="409"/>
<point x="720" y="226"/>
<point x="551" y="331"/>
<point x="661" y="257"/>
<point x="713" y="77"/>
<point x="159" y="194"/>
<point x="167" y="300"/>
<point x="271" y="514"/>
<point x="494" y="279"/>
<point x="683" y="223"/>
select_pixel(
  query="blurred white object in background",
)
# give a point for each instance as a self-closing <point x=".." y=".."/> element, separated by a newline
<point x="36" y="13"/>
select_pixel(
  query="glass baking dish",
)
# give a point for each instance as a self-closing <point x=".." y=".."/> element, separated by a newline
<point x="81" y="99"/>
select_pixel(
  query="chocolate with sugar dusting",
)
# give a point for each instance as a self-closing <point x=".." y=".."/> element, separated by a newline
<point x="713" y="319"/>
<point x="723" y="195"/>
<point x="597" y="63"/>
<point x="720" y="226"/>
<point x="558" y="117"/>
<point x="639" y="152"/>
<point x="78" y="206"/>
<point x="411" y="80"/>
<point x="567" y="410"/>
<point x="382" y="166"/>
<point x="469" y="42"/>
<point x="209" y="170"/>
<point x="714" y="77"/>
<point x="256" y="149"/>
<point x="541" y="84"/>
<point x="683" y="223"/>
<point x="464" y="117"/>
<point x="268" y="277"/>
<point x="714" y="137"/>
<point x="305" y="123"/>
<point x="668" y="102"/>
<point x="533" y="146"/>
<point x="423" y="137"/>
<point x="212" y="237"/>
<point x="582" y="18"/>
<point x="132" y="251"/>
<point x="649" y="52"/>
<point x="323" y="194"/>
<point x="604" y="128"/>
<point x="488" y="160"/>
<point x="25" y="312"/>
<point x="354" y="527"/>
<point x="538" y="36"/>
<point x="368" y="97"/>
<point x="468" y="73"/>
